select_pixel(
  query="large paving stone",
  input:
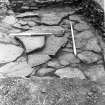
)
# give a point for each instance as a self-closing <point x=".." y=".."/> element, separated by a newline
<point x="9" y="52"/>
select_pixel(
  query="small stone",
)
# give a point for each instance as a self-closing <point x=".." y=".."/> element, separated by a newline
<point x="31" y="23"/>
<point x="53" y="44"/>
<point x="33" y="43"/>
<point x="26" y="27"/>
<point x="95" y="72"/>
<point x="9" y="52"/>
<point x="68" y="58"/>
<point x="22" y="22"/>
<point x="37" y="59"/>
<point x="17" y="25"/>
<point x="10" y="20"/>
<point x="93" y="45"/>
<point x="54" y="64"/>
<point x="16" y="69"/>
<point x="43" y="71"/>
<point x="70" y="72"/>
<point x="88" y="57"/>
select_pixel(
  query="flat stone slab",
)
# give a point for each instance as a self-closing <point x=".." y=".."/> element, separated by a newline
<point x="9" y="52"/>
<point x="33" y="43"/>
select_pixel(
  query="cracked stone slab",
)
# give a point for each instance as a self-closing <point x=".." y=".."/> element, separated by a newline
<point x="32" y="43"/>
<point x="16" y="69"/>
<point x="88" y="57"/>
<point x="70" y="72"/>
<point x="9" y="52"/>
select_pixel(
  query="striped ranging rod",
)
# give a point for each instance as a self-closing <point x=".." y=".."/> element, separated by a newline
<point x="72" y="33"/>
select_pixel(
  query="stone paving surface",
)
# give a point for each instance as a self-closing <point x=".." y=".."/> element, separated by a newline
<point x="38" y="62"/>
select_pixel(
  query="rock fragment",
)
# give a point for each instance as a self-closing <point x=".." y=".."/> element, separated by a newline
<point x="70" y="72"/>
<point x="88" y="57"/>
<point x="16" y="69"/>
<point x="9" y="52"/>
<point x="33" y="43"/>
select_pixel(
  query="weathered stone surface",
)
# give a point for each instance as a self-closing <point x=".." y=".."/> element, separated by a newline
<point x="37" y="59"/>
<point x="88" y="57"/>
<point x="9" y="52"/>
<point x="33" y="43"/>
<point x="53" y="44"/>
<point x="16" y="69"/>
<point x="70" y="72"/>
<point x="93" y="45"/>
<point x="95" y="72"/>
<point x="68" y="58"/>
